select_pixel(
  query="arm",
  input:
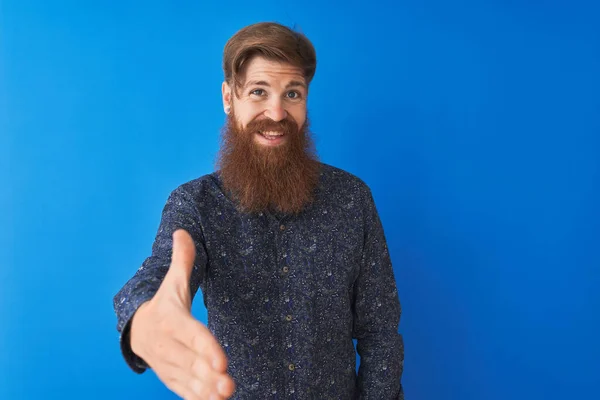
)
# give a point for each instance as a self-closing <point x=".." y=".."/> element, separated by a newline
<point x="377" y="315"/>
<point x="179" y="212"/>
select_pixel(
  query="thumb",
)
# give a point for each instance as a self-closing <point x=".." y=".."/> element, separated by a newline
<point x="182" y="259"/>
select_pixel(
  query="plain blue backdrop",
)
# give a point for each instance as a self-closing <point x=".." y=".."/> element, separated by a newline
<point x="476" y="124"/>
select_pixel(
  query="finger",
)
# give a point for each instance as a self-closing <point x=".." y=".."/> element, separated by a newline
<point x="183" y="256"/>
<point x="218" y="382"/>
<point x="174" y="381"/>
<point x="191" y="387"/>
<point x="183" y="389"/>
<point x="180" y="381"/>
<point x="198" y="338"/>
<point x="203" y="388"/>
<point x="203" y="379"/>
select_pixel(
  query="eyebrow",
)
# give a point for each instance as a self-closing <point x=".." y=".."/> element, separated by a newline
<point x="265" y="83"/>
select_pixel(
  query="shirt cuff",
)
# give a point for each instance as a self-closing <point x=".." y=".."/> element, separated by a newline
<point x="137" y="364"/>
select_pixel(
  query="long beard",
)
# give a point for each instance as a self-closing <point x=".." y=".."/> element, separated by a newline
<point x="279" y="178"/>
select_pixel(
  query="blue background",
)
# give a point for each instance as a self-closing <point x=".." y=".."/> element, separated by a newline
<point x="476" y="124"/>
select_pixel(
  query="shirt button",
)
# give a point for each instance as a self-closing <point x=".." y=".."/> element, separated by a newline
<point x="282" y="227"/>
<point x="291" y="367"/>
<point x="288" y="317"/>
<point x="286" y="269"/>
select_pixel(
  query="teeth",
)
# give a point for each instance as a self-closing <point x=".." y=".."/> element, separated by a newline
<point x="272" y="134"/>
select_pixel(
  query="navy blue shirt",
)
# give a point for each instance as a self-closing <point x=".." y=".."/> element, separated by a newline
<point x="286" y="294"/>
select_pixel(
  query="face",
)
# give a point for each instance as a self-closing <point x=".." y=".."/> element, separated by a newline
<point x="272" y="92"/>
<point x="267" y="159"/>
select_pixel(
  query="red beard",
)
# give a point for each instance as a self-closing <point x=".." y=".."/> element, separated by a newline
<point x="279" y="178"/>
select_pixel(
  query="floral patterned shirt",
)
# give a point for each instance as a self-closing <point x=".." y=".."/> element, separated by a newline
<point x="286" y="294"/>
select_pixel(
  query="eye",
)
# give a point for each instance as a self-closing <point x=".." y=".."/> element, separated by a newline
<point x="293" y="94"/>
<point x="258" y="92"/>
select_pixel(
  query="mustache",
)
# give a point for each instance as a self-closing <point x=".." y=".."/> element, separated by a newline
<point x="287" y="125"/>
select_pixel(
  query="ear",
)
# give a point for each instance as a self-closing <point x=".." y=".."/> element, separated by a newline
<point x="226" y="94"/>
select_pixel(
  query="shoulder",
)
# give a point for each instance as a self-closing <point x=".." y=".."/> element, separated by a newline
<point x="336" y="179"/>
<point x="202" y="186"/>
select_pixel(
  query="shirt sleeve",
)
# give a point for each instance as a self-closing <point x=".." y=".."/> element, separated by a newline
<point x="179" y="212"/>
<point x="377" y="312"/>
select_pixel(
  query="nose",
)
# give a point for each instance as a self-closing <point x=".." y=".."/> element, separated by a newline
<point x="275" y="110"/>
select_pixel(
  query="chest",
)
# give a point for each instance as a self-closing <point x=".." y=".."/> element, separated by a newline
<point x="317" y="252"/>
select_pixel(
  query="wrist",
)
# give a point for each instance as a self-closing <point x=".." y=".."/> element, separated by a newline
<point x="134" y="327"/>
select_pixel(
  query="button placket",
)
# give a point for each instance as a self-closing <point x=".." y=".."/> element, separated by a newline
<point x="286" y="303"/>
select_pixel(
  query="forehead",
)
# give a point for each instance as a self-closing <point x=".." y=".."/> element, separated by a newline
<point x="262" y="69"/>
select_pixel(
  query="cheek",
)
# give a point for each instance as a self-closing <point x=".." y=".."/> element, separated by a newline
<point x="299" y="115"/>
<point x="243" y="120"/>
<point x="248" y="115"/>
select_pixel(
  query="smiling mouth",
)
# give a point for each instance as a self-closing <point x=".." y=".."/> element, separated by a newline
<point x="271" y="135"/>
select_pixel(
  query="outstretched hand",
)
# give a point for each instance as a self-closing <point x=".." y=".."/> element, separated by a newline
<point x="183" y="353"/>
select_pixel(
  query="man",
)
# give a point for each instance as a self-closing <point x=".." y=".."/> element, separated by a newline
<point x="289" y="254"/>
